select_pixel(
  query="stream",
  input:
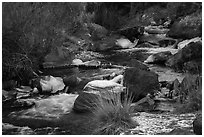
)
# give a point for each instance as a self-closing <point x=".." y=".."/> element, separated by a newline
<point x="53" y="115"/>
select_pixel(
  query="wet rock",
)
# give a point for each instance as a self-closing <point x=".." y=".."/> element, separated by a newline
<point x="137" y="64"/>
<point x="108" y="43"/>
<point x="140" y="82"/>
<point x="155" y="30"/>
<point x="131" y="32"/>
<point x="190" y="52"/>
<point x="86" y="102"/>
<point x="187" y="27"/>
<point x="46" y="111"/>
<point x="51" y="84"/>
<point x="158" y="40"/>
<point x="77" y="62"/>
<point x="151" y="38"/>
<point x="184" y="43"/>
<point x="17" y="104"/>
<point x="197" y="125"/>
<point x="9" y="129"/>
<point x="125" y="43"/>
<point x="158" y="58"/>
<point x="146" y="45"/>
<point x="168" y="42"/>
<point x="72" y="82"/>
<point x="92" y="63"/>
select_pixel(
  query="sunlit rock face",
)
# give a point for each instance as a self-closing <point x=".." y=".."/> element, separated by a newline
<point x="46" y="111"/>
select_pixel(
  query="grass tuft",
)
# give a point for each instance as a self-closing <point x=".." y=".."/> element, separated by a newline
<point x="113" y="115"/>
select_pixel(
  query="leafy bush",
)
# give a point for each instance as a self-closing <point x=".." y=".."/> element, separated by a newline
<point x="31" y="30"/>
<point x="113" y="115"/>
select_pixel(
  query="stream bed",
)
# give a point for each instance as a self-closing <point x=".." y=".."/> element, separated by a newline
<point x="54" y="115"/>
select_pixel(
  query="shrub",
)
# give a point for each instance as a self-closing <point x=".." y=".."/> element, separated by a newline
<point x="113" y="115"/>
<point x="30" y="30"/>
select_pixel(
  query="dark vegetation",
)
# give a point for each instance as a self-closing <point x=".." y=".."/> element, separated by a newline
<point x="31" y="30"/>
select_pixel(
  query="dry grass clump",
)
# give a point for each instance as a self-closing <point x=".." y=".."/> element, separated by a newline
<point x="113" y="115"/>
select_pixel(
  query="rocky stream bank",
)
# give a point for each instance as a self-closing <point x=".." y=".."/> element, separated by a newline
<point x="148" y="68"/>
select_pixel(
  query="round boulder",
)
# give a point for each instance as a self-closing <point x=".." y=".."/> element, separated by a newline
<point x="140" y="82"/>
<point x="160" y="57"/>
<point x="94" y="92"/>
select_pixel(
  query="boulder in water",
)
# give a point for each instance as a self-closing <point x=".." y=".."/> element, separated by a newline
<point x="160" y="57"/>
<point x="46" y="112"/>
<point x="51" y="84"/>
<point x="125" y="43"/>
<point x="95" y="91"/>
<point x="184" y="43"/>
<point x="146" y="45"/>
<point x="106" y="44"/>
<point x="137" y="64"/>
<point x="190" y="52"/>
<point x="131" y="32"/>
<point x="140" y="82"/>
<point x="77" y="62"/>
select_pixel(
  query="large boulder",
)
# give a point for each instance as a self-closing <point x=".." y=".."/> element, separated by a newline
<point x="48" y="111"/>
<point x="106" y="44"/>
<point x="96" y="91"/>
<point x="140" y="82"/>
<point x="137" y="64"/>
<point x="51" y="84"/>
<point x="126" y="43"/>
<point x="159" y="40"/>
<point x="131" y="32"/>
<point x="197" y="125"/>
<point x="182" y="44"/>
<point x="187" y="27"/>
<point x="86" y="102"/>
<point x="160" y="57"/>
<point x="190" y="52"/>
